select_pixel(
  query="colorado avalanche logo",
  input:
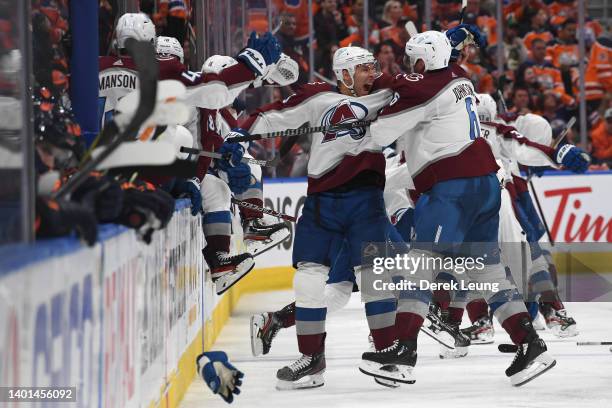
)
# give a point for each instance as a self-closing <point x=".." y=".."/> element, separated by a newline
<point x="345" y="112"/>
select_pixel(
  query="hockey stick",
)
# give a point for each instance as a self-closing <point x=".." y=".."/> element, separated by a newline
<point x="299" y="131"/>
<point x="143" y="54"/>
<point x="214" y="155"/>
<point x="137" y="154"/>
<point x="561" y="136"/>
<point x="263" y="210"/>
<point x="594" y="343"/>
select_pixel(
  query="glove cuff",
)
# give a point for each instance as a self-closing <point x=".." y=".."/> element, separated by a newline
<point x="562" y="151"/>
<point x="208" y="373"/>
<point x="254" y="60"/>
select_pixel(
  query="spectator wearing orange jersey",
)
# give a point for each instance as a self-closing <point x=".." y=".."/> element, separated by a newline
<point x="539" y="25"/>
<point x="480" y="77"/>
<point x="392" y="23"/>
<point x="474" y="14"/>
<point x="518" y="9"/>
<point x="299" y="8"/>
<point x="561" y="10"/>
<point x="598" y="77"/>
<point x="445" y="13"/>
<point x="565" y="45"/>
<point x="544" y="74"/>
<point x="601" y="138"/>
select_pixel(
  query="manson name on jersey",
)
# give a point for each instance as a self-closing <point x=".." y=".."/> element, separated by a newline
<point x="463" y="90"/>
<point x="118" y="80"/>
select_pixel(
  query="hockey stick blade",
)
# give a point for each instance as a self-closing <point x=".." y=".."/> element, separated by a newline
<point x="264" y="210"/>
<point x="594" y="343"/>
<point x="507" y="348"/>
<point x="246" y="160"/>
<point x="143" y="54"/>
<point x="299" y="131"/>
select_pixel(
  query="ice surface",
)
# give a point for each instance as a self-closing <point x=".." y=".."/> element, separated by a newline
<point x="582" y="377"/>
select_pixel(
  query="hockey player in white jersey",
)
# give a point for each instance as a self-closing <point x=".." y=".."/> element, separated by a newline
<point x="529" y="129"/>
<point x="118" y="75"/>
<point x="344" y="201"/>
<point x="259" y="234"/>
<point x="434" y="120"/>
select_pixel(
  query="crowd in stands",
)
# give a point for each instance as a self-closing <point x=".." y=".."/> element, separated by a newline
<point x="540" y="41"/>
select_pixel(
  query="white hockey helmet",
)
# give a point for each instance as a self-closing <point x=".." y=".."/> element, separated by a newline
<point x="134" y="25"/>
<point x="348" y="58"/>
<point x="430" y="46"/>
<point x="487" y="108"/>
<point x="165" y="46"/>
<point x="217" y="63"/>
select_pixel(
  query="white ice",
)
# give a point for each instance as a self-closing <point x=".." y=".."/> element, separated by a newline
<point x="582" y="377"/>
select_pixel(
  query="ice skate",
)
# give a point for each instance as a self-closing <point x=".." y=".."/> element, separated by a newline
<point x="264" y="328"/>
<point x="530" y="361"/>
<point x="395" y="364"/>
<point x="453" y="343"/>
<point x="226" y="270"/>
<point x="481" y="332"/>
<point x="560" y="323"/>
<point x="260" y="236"/>
<point x="305" y="372"/>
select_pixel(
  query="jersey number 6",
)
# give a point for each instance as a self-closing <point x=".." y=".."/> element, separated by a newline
<point x="474" y="124"/>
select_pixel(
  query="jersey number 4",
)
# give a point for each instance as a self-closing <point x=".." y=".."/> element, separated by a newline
<point x="474" y="124"/>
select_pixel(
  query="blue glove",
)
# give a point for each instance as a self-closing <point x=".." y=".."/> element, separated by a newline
<point x="232" y="153"/>
<point x="260" y="53"/>
<point x="191" y="189"/>
<point x="538" y="170"/>
<point x="572" y="157"/>
<point x="219" y="374"/>
<point x="463" y="35"/>
<point x="239" y="178"/>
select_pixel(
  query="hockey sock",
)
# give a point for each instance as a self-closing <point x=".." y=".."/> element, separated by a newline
<point x="381" y="320"/>
<point x="551" y="298"/>
<point x="310" y="328"/>
<point x="532" y="309"/>
<point x="477" y="309"/>
<point x="455" y="315"/>
<point x="408" y="325"/>
<point x="217" y="229"/>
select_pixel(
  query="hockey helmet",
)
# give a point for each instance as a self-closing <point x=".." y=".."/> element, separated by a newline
<point x="169" y="46"/>
<point x="350" y="57"/>
<point x="134" y="25"/>
<point x="487" y="108"/>
<point x="433" y="47"/>
<point x="217" y="63"/>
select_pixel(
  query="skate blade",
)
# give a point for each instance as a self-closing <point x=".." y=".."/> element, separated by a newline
<point x="227" y="281"/>
<point x="257" y="321"/>
<point x="570" y="331"/>
<point x="386" y="383"/>
<point x="310" y="381"/>
<point x="450" y="344"/>
<point x="401" y="374"/>
<point x="486" y="340"/>
<point x="539" y="366"/>
<point x="255" y="247"/>
<point x="458" y="352"/>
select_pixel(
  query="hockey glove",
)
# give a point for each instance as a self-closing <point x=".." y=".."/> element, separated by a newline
<point x="238" y="178"/>
<point x="232" y="152"/>
<point x="574" y="158"/>
<point x="260" y="53"/>
<point x="102" y="194"/>
<point x="190" y="188"/>
<point x="58" y="218"/>
<point x="219" y="374"/>
<point x="462" y="36"/>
